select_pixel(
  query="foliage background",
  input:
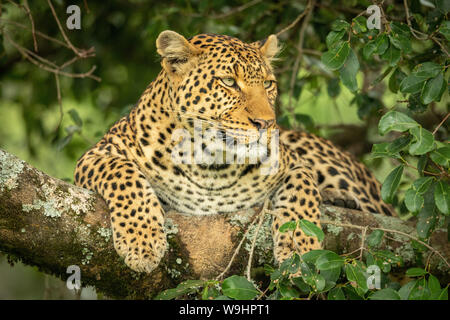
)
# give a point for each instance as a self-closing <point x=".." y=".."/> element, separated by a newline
<point x="123" y="34"/>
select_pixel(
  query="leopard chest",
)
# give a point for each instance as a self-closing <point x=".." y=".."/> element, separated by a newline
<point x="212" y="190"/>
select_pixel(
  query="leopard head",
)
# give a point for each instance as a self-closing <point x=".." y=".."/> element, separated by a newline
<point x="221" y="81"/>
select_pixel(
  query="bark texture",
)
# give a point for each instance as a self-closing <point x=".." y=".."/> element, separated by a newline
<point x="51" y="224"/>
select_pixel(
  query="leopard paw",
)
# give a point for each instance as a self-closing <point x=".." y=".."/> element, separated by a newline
<point x="340" y="198"/>
<point x="140" y="254"/>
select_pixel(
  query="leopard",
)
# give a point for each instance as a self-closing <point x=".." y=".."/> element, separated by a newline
<point x="225" y="84"/>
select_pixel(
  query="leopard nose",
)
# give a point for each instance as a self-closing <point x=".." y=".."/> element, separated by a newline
<point x="262" y="123"/>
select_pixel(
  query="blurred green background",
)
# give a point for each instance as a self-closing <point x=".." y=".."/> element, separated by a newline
<point x="123" y="34"/>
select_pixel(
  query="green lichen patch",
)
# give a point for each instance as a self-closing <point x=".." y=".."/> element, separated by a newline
<point x="170" y="227"/>
<point x="264" y="241"/>
<point x="240" y="220"/>
<point x="10" y="169"/>
<point x="106" y="233"/>
<point x="87" y="256"/>
<point x="56" y="199"/>
<point x="48" y="208"/>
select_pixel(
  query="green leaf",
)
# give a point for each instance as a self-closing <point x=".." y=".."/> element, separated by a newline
<point x="391" y="183"/>
<point x="400" y="29"/>
<point x="420" y="291"/>
<point x="381" y="43"/>
<point x="379" y="150"/>
<point x="313" y="255"/>
<point x="444" y="29"/>
<point x="398" y="144"/>
<point x="427" y="215"/>
<point x="333" y="37"/>
<point x="333" y="87"/>
<point x="441" y="156"/>
<point x="75" y="117"/>
<point x="415" y="103"/>
<point x="359" y="24"/>
<point x="60" y="144"/>
<point x="288" y="226"/>
<point x="336" y="294"/>
<point x="400" y="36"/>
<point x="239" y="288"/>
<point x="392" y="56"/>
<point x="397" y="121"/>
<point x="427" y="70"/>
<point x="339" y="25"/>
<point x="415" y="272"/>
<point x="329" y="260"/>
<point x="356" y="275"/>
<point x="349" y="70"/>
<point x="424" y="141"/>
<point x="385" y="294"/>
<point x="413" y="196"/>
<point x="421" y="185"/>
<point x="442" y="197"/>
<point x="412" y="83"/>
<point x="210" y="293"/>
<point x="400" y="42"/>
<point x="305" y="120"/>
<point x="302" y="285"/>
<point x="395" y="80"/>
<point x="352" y="293"/>
<point x="413" y="200"/>
<point x="369" y="49"/>
<point x="405" y="291"/>
<point x="444" y="294"/>
<point x="287" y="291"/>
<point x="328" y="286"/>
<point x="374" y="239"/>
<point x="388" y="257"/>
<point x="421" y="164"/>
<point x="432" y="89"/>
<point x="319" y="283"/>
<point x="290" y="265"/>
<point x="335" y="57"/>
<point x="331" y="275"/>
<point x="307" y="274"/>
<point x="434" y="286"/>
<point x="310" y="229"/>
<point x="222" y="298"/>
<point x="185" y="287"/>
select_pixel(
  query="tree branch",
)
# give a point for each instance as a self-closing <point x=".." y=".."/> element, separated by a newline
<point x="51" y="224"/>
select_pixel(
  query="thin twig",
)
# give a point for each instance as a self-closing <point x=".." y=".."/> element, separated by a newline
<point x="363" y="239"/>
<point x="78" y="52"/>
<point x="40" y="34"/>
<point x="229" y="13"/>
<point x="244" y="237"/>
<point x="441" y="123"/>
<point x="298" y="59"/>
<point x="27" y="56"/>
<point x="33" y="29"/>
<point x="58" y="95"/>
<point x="293" y="23"/>
<point x="261" y="217"/>
<point x="392" y="231"/>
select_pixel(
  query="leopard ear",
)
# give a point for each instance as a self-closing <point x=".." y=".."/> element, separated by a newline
<point x="268" y="47"/>
<point x="176" y="51"/>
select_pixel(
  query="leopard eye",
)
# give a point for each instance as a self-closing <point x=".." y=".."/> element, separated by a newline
<point x="267" y="84"/>
<point x="229" y="82"/>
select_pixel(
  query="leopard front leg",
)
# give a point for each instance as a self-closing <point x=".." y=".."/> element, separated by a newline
<point x="137" y="217"/>
<point x="297" y="198"/>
